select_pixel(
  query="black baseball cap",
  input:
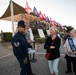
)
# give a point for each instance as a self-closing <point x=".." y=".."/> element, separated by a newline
<point x="21" y="23"/>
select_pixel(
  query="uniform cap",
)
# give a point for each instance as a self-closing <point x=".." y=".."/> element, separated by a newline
<point x="21" y="23"/>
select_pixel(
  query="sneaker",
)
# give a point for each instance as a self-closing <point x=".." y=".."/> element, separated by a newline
<point x="68" y="72"/>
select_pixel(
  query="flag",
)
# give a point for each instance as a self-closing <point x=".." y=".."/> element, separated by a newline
<point x="55" y="23"/>
<point x="27" y="8"/>
<point x="51" y="20"/>
<point x="41" y="17"/>
<point x="60" y="26"/>
<point x="47" y="19"/>
<point x="35" y="11"/>
<point x="44" y="16"/>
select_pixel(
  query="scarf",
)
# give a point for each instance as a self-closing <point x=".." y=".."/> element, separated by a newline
<point x="71" y="44"/>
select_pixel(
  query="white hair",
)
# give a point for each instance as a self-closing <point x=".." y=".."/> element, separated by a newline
<point x="73" y="30"/>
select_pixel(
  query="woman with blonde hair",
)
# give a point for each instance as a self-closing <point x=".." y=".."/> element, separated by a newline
<point x="52" y="46"/>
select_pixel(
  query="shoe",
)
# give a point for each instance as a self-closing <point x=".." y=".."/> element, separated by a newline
<point x="33" y="74"/>
<point x="68" y="72"/>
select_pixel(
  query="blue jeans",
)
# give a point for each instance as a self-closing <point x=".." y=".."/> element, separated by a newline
<point x="53" y="66"/>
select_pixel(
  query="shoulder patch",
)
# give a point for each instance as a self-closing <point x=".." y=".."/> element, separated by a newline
<point x="16" y="44"/>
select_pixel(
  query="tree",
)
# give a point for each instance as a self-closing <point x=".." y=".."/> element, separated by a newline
<point x="68" y="28"/>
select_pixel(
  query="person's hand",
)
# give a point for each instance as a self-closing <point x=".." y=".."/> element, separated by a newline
<point x="71" y="53"/>
<point x="74" y="52"/>
<point x="33" y="48"/>
<point x="30" y="41"/>
<point x="25" y="61"/>
<point x="52" y="47"/>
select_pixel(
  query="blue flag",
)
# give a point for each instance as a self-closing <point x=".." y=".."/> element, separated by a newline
<point x="47" y="19"/>
<point x="35" y="11"/>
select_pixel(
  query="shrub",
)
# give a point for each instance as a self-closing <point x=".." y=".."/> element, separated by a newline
<point x="40" y="40"/>
<point x="7" y="36"/>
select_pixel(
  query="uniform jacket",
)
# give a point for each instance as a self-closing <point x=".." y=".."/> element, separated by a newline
<point x="20" y="46"/>
<point x="54" y="53"/>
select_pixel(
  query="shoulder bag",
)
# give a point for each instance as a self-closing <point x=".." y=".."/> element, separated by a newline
<point x="47" y="55"/>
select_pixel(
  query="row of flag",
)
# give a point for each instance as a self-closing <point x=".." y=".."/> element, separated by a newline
<point x="41" y="16"/>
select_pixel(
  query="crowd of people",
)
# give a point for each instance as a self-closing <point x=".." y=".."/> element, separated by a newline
<point x="21" y="42"/>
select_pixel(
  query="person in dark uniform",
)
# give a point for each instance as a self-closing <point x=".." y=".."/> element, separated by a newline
<point x="20" y="49"/>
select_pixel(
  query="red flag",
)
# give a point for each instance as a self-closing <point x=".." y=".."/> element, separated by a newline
<point x="44" y="16"/>
<point x="55" y="23"/>
<point x="27" y="8"/>
<point x="41" y="16"/>
<point x="60" y="26"/>
<point x="51" y="20"/>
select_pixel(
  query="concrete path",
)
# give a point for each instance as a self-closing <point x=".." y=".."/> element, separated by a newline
<point x="4" y="52"/>
<point x="10" y="66"/>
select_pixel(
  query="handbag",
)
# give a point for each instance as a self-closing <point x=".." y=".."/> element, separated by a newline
<point x="47" y="55"/>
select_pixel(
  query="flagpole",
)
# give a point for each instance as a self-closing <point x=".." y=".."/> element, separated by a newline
<point x="12" y="17"/>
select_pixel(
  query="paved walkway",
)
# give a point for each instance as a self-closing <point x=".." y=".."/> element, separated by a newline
<point x="41" y="66"/>
<point x="4" y="52"/>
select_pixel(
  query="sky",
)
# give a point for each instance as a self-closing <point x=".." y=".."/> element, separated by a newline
<point x="62" y="11"/>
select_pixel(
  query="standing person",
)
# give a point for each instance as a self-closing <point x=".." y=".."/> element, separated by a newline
<point x="52" y="46"/>
<point x="70" y="50"/>
<point x="2" y="37"/>
<point x="20" y="49"/>
<point x="27" y="35"/>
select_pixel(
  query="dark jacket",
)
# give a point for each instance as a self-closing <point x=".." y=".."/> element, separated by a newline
<point x="20" y="46"/>
<point x="54" y="53"/>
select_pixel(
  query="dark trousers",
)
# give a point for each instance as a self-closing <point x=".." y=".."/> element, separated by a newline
<point x="25" y="68"/>
<point x="71" y="62"/>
